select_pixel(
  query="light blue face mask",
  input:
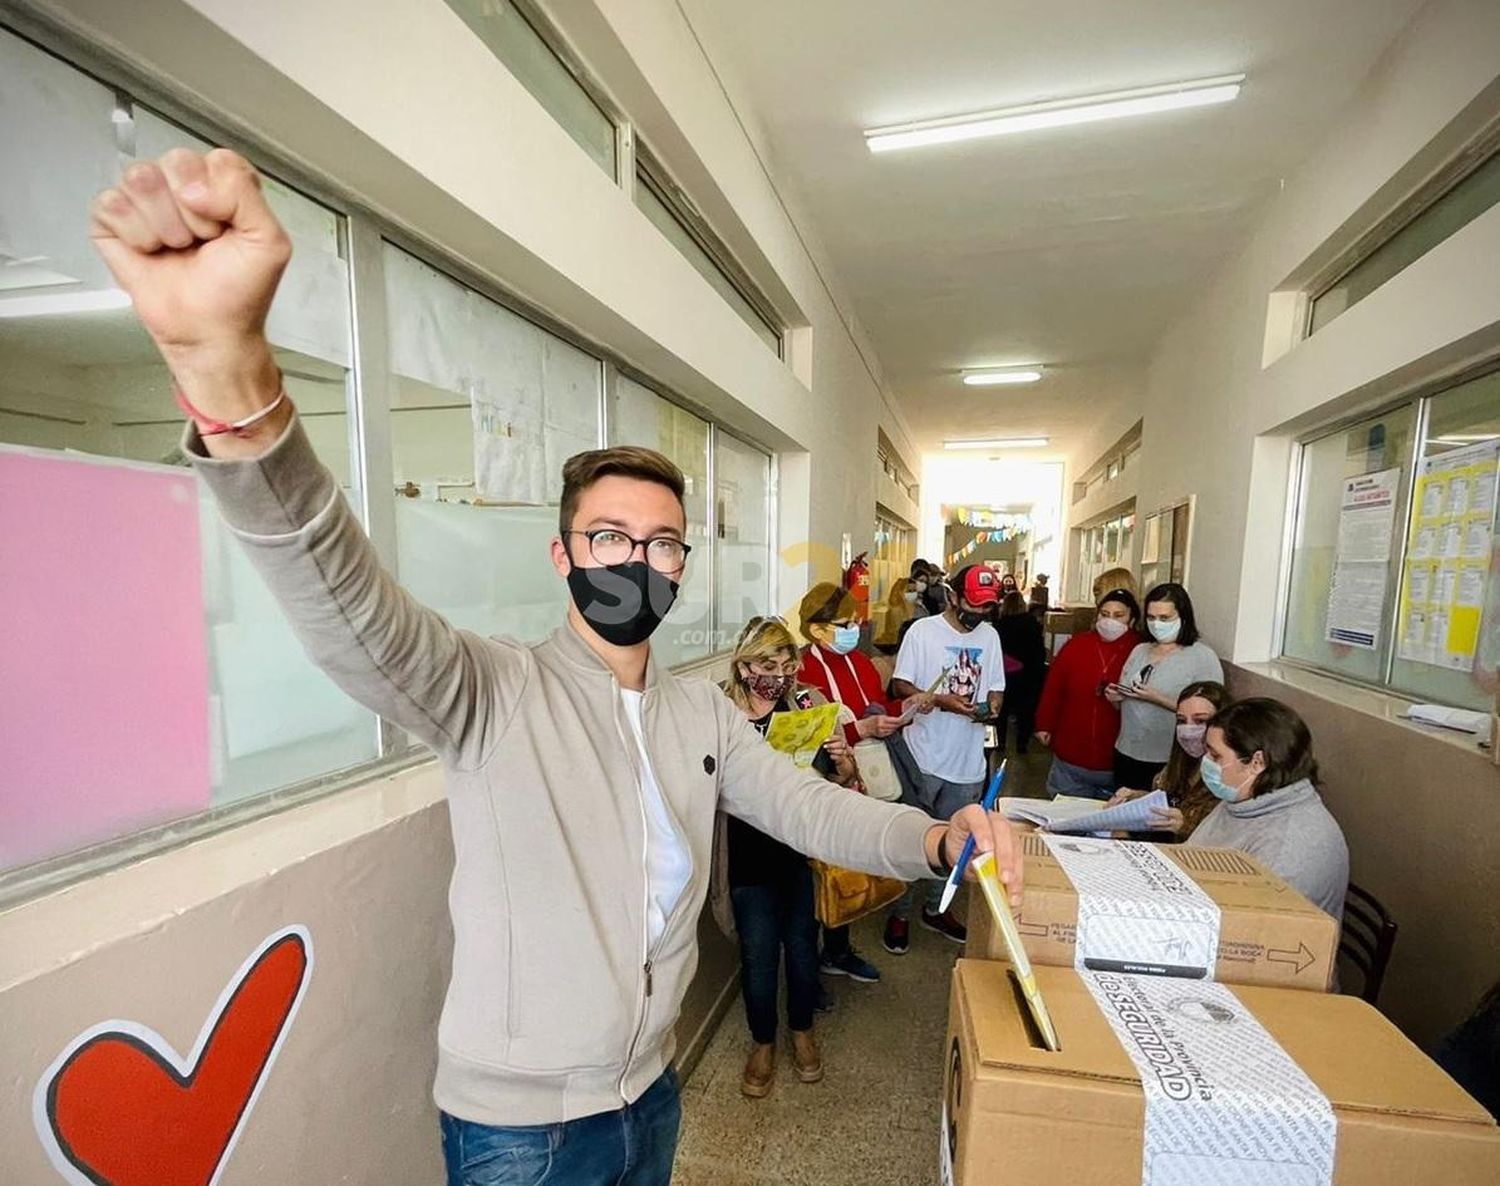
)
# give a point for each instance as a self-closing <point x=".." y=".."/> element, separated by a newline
<point x="845" y="639"/>
<point x="1213" y="779"/>
<point x="1165" y="631"/>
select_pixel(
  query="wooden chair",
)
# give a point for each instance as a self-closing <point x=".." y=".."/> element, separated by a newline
<point x="1369" y="934"/>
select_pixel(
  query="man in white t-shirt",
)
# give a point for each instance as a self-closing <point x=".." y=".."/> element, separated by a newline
<point x="959" y="651"/>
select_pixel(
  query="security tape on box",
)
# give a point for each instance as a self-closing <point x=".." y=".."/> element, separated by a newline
<point x="1138" y="912"/>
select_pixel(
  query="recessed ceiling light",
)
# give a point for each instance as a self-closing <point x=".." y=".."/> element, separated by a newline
<point x="999" y="443"/>
<point x="91" y="301"/>
<point x="1057" y="113"/>
<point x="1001" y="378"/>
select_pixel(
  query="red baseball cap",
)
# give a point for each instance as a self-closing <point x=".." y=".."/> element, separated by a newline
<point x="978" y="585"/>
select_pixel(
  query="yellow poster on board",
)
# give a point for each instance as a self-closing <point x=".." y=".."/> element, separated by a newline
<point x="1444" y="590"/>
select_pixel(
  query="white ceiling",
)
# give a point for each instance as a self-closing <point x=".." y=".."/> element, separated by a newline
<point x="1074" y="248"/>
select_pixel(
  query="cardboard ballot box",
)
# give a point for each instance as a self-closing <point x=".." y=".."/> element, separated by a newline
<point x="1362" y="1105"/>
<point x="1268" y="933"/>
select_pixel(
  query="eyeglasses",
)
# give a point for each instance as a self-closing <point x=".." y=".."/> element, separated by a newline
<point x="609" y="546"/>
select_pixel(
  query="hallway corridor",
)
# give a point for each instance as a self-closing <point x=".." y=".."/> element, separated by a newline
<point x="874" y="1118"/>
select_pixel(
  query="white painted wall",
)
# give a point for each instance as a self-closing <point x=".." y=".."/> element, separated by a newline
<point x="1217" y="424"/>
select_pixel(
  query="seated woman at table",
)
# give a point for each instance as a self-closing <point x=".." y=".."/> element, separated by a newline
<point x="1188" y="800"/>
<point x="1260" y="764"/>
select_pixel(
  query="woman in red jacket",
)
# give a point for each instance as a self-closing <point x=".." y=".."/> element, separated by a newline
<point x="1074" y="718"/>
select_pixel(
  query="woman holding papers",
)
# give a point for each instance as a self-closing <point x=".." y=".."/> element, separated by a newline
<point x="1153" y="676"/>
<point x="1075" y="718"/>
<point x="833" y="665"/>
<point x="771" y="885"/>
<point x="1188" y="800"/>
<point x="1259" y="763"/>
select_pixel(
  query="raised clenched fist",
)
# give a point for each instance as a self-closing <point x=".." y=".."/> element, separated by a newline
<point x="191" y="240"/>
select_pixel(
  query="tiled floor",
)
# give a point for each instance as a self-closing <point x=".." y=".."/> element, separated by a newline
<point x="874" y="1118"/>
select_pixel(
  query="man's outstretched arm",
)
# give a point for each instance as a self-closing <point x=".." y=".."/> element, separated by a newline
<point x="194" y="244"/>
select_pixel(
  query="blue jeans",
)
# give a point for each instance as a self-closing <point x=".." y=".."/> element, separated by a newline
<point x="631" y="1147"/>
<point x="772" y="919"/>
<point x="1067" y="779"/>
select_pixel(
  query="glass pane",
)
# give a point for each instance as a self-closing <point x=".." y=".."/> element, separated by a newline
<point x="742" y="476"/>
<point x="665" y="221"/>
<point x="1449" y="214"/>
<point x="1366" y="448"/>
<point x="1448" y="648"/>
<point x="526" y="55"/>
<point x="485" y="408"/>
<point x="638" y="416"/>
<point x="91" y="384"/>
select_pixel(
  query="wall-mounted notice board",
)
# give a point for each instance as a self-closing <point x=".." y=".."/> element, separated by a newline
<point x="103" y="662"/>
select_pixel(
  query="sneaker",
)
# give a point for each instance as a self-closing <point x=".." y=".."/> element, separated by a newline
<point x="852" y="965"/>
<point x="825" y="1002"/>
<point x="945" y="925"/>
<point x="897" y="936"/>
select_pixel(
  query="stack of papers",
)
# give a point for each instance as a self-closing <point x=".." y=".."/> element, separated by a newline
<point x="1462" y="719"/>
<point x="1081" y="816"/>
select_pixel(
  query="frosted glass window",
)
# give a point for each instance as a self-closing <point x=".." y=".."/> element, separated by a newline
<point x="485" y="408"/>
<point x="742" y="481"/>
<point x="1445" y="216"/>
<point x="1368" y="447"/>
<point x="92" y="383"/>
<point x="667" y="222"/>
<point x="512" y="38"/>
<point x="638" y="416"/>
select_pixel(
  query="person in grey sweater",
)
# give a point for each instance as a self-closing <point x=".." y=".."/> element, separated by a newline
<point x="583" y="778"/>
<point x="1260" y="763"/>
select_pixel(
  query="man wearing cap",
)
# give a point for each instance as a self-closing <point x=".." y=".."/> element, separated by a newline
<point x="957" y="653"/>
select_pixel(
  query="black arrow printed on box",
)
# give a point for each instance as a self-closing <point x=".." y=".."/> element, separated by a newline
<point x="1302" y="957"/>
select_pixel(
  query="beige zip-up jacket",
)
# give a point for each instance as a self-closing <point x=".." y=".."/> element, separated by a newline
<point x="556" y="1008"/>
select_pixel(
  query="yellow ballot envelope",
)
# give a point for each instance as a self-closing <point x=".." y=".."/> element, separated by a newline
<point x="802" y="731"/>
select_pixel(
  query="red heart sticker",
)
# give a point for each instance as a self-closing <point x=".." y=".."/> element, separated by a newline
<point x="120" y="1106"/>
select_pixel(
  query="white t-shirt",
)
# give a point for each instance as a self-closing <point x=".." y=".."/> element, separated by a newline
<point x="945" y="744"/>
<point x="669" y="864"/>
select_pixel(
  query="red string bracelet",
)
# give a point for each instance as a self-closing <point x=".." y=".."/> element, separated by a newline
<point x="209" y="427"/>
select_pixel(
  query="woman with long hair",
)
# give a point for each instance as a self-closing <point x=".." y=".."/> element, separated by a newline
<point x="771" y="885"/>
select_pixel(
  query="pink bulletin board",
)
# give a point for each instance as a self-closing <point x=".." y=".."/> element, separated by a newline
<point x="103" y="661"/>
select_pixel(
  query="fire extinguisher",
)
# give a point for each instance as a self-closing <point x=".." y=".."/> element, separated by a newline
<point x="857" y="581"/>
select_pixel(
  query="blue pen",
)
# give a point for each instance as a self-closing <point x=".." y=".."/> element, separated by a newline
<point x="956" y="877"/>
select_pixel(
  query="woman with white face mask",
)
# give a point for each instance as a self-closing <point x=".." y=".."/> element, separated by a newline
<point x="1153" y="677"/>
<point x="1075" y="719"/>
<point x="1259" y="764"/>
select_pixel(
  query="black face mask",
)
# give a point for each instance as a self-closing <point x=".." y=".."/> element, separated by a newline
<point x="969" y="620"/>
<point x="935" y="597"/>
<point x="624" y="603"/>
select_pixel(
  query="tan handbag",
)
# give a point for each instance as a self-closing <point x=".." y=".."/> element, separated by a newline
<point x="843" y="895"/>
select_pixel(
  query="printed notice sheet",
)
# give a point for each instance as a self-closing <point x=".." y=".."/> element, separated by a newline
<point x="1447" y="575"/>
<point x="1367" y="519"/>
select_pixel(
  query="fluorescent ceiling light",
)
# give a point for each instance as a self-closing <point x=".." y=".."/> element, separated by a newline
<point x="1001" y="378"/>
<point x="1057" y="113"/>
<point x="91" y="301"/>
<point x="999" y="443"/>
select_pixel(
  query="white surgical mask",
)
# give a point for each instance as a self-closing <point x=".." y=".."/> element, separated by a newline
<point x="1165" y="631"/>
<point x="1111" y="629"/>
<point x="911" y="596"/>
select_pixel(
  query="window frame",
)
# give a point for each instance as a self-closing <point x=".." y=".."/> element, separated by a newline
<point x="1419" y="397"/>
<point x="650" y="172"/>
<point x="1479" y="151"/>
<point x="362" y="234"/>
